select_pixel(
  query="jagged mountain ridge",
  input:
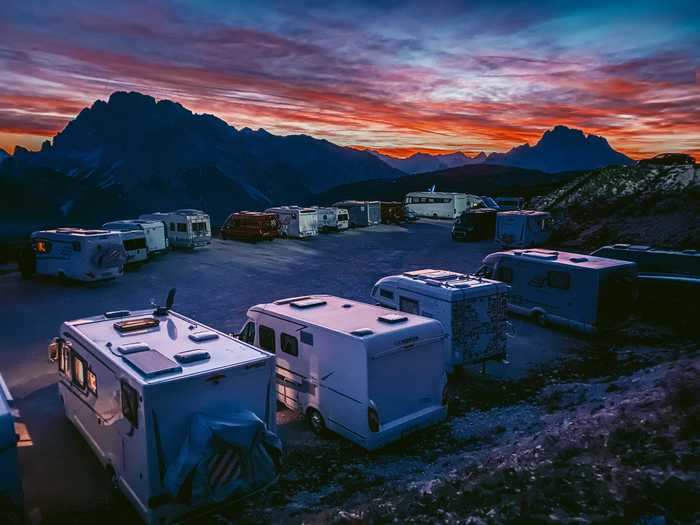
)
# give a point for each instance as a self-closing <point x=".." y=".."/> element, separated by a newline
<point x="424" y="162"/>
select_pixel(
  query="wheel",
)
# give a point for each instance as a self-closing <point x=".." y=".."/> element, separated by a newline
<point x="318" y="425"/>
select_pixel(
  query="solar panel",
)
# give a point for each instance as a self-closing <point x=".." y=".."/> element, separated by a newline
<point x="151" y="363"/>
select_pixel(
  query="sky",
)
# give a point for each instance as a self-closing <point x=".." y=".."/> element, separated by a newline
<point x="399" y="76"/>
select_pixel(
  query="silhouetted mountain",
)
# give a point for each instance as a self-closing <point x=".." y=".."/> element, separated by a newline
<point x="3" y="155"/>
<point x="562" y="149"/>
<point x="133" y="154"/>
<point x="424" y="162"/>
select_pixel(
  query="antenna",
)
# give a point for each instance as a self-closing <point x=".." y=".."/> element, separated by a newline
<point x="163" y="310"/>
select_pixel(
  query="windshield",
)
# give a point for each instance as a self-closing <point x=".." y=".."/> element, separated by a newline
<point x="489" y="202"/>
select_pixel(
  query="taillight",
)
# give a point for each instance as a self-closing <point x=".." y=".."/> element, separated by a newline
<point x="445" y="395"/>
<point x="373" y="419"/>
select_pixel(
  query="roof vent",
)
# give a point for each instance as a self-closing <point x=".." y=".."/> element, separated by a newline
<point x="290" y="300"/>
<point x="362" y="332"/>
<point x="116" y="314"/>
<point x="347" y="305"/>
<point x="308" y="303"/>
<point x="203" y="335"/>
<point x="131" y="348"/>
<point x="536" y="254"/>
<point x="578" y="259"/>
<point x="192" y="356"/>
<point x="134" y="325"/>
<point x="392" y="318"/>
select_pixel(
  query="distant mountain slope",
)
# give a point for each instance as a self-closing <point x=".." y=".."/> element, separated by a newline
<point x="132" y="154"/>
<point x="423" y="162"/>
<point x="3" y="155"/>
<point x="481" y="179"/>
<point x="562" y="149"/>
<point x="652" y="205"/>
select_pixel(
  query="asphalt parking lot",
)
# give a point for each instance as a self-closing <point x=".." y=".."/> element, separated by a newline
<point x="215" y="286"/>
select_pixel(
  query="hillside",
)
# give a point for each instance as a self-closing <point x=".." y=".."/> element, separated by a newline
<point x="641" y="204"/>
<point x="133" y="154"/>
<point x="424" y="162"/>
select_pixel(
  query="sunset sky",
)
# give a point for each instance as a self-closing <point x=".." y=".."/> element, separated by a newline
<point x="399" y="76"/>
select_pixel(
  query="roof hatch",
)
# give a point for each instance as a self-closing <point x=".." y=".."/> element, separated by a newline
<point x="192" y="356"/>
<point x="151" y="363"/>
<point x="308" y="303"/>
<point x="203" y="335"/>
<point x="392" y="318"/>
<point x="362" y="332"/>
<point x="132" y="348"/>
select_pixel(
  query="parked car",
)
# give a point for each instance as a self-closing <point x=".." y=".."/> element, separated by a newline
<point x="523" y="228"/>
<point x="475" y="225"/>
<point x="392" y="212"/>
<point x="410" y="215"/>
<point x="251" y="226"/>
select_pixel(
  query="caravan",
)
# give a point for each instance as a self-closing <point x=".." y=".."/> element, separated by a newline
<point x="332" y="219"/>
<point x="523" y="229"/>
<point x="345" y="364"/>
<point x="181" y="416"/>
<point x="585" y="293"/>
<point x="441" y="205"/>
<point x="133" y="239"/>
<point x="74" y="253"/>
<point x="362" y="213"/>
<point x="471" y="309"/>
<point x="296" y="221"/>
<point x="153" y="231"/>
<point x="185" y="228"/>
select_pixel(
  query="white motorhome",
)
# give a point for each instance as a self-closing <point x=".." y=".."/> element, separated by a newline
<point x="522" y="228"/>
<point x="472" y="309"/>
<point x="153" y="230"/>
<point x="441" y="205"/>
<point x="133" y="239"/>
<point x="332" y="218"/>
<point x="296" y="221"/>
<point x="362" y="371"/>
<point x="181" y="416"/>
<point x="585" y="293"/>
<point x="186" y="228"/>
<point x="11" y="494"/>
<point x="75" y="253"/>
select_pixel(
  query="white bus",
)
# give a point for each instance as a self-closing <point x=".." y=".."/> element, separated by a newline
<point x="441" y="205"/>
<point x="296" y="221"/>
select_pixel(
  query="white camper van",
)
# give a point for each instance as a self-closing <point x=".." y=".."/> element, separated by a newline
<point x="296" y="221"/>
<point x="11" y="494"/>
<point x="441" y="205"/>
<point x="472" y="310"/>
<point x="153" y="230"/>
<point x="361" y="213"/>
<point x="522" y="228"/>
<point x="362" y="371"/>
<point x="133" y="239"/>
<point x="586" y="293"/>
<point x="187" y="228"/>
<point x="181" y="415"/>
<point x="332" y="218"/>
<point x="83" y="255"/>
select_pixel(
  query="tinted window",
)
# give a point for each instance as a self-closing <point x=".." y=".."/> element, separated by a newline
<point x="408" y="305"/>
<point x="92" y="382"/>
<point x="560" y="280"/>
<point x="504" y="274"/>
<point x="64" y="359"/>
<point x="182" y="227"/>
<point x="248" y="333"/>
<point x="289" y="344"/>
<point x="79" y="370"/>
<point x="386" y="293"/>
<point x="307" y="338"/>
<point x="267" y="338"/>
<point x="135" y="244"/>
<point x="130" y="404"/>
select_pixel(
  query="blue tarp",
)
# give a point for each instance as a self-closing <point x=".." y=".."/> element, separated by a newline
<point x="223" y="458"/>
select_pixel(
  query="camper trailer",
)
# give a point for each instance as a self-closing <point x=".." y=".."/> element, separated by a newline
<point x="332" y="219"/>
<point x="362" y="213"/>
<point x="133" y="239"/>
<point x="510" y="203"/>
<point x="11" y="494"/>
<point x="523" y="229"/>
<point x="186" y="228"/>
<point x="74" y="253"/>
<point x="345" y="364"/>
<point x="392" y="212"/>
<point x="441" y="205"/>
<point x="180" y="415"/>
<point x="471" y="309"/>
<point x="295" y="221"/>
<point x="251" y="226"/>
<point x="583" y="292"/>
<point x="475" y="225"/>
<point x="154" y="233"/>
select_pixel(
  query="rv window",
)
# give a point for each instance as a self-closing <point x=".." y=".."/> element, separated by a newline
<point x="248" y="333"/>
<point x="135" y="244"/>
<point x="289" y="344"/>
<point x="386" y="293"/>
<point x="64" y="359"/>
<point x="92" y="382"/>
<point x="199" y="227"/>
<point x="130" y="404"/>
<point x="408" y="305"/>
<point x="182" y="227"/>
<point x="42" y="246"/>
<point x="307" y="338"/>
<point x="560" y="280"/>
<point x="79" y="370"/>
<point x="267" y="338"/>
<point x="172" y="226"/>
<point x="504" y="274"/>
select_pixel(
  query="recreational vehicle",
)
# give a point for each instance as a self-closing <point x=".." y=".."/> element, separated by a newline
<point x="475" y="225"/>
<point x="133" y="239"/>
<point x="471" y="309"/>
<point x="392" y="212"/>
<point x="510" y="203"/>
<point x="362" y="371"/>
<point x="296" y="221"/>
<point x="186" y="228"/>
<point x="11" y="494"/>
<point x="583" y="292"/>
<point x="180" y="415"/>
<point x="332" y="219"/>
<point x="251" y="226"/>
<point x="441" y="205"/>
<point x="74" y="253"/>
<point x="153" y="230"/>
<point x="362" y="213"/>
<point x="523" y="228"/>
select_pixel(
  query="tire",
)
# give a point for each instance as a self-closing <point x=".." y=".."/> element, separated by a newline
<point x="316" y="422"/>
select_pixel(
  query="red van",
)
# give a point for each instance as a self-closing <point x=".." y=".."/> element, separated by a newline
<point x="251" y="226"/>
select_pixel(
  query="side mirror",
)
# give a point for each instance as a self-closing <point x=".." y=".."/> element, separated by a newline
<point x="54" y="347"/>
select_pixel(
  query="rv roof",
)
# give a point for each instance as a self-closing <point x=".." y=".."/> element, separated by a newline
<point x="170" y="337"/>
<point x="529" y="213"/>
<point x="189" y="211"/>
<point x="445" y="279"/>
<point x="76" y="231"/>
<point x="436" y="193"/>
<point x="567" y="258"/>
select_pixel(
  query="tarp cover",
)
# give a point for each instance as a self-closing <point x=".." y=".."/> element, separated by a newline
<point x="221" y="458"/>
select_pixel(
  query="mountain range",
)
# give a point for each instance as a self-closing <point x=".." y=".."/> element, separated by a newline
<point x="559" y="149"/>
